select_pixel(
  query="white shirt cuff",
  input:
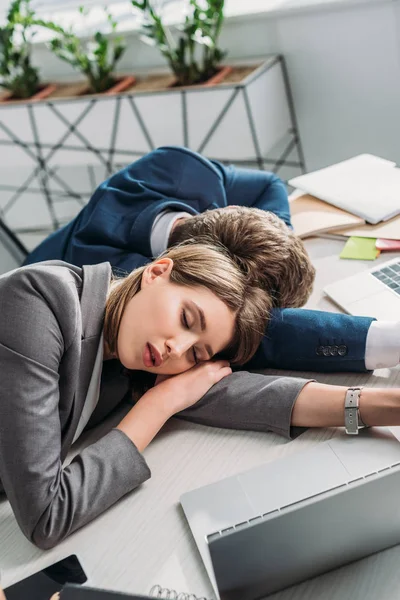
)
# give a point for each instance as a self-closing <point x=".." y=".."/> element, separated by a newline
<point x="383" y="345"/>
<point x="161" y="229"/>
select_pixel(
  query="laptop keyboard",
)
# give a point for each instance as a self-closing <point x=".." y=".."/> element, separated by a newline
<point x="390" y="276"/>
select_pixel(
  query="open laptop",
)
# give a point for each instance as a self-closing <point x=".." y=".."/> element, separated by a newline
<point x="299" y="516"/>
<point x="373" y="293"/>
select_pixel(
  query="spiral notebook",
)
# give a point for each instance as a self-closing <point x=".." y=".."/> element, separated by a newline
<point x="159" y="592"/>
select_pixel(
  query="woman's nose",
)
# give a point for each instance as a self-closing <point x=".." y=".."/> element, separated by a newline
<point x="178" y="346"/>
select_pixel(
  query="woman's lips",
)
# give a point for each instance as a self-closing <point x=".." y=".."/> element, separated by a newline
<point x="157" y="356"/>
<point x="147" y="360"/>
<point x="150" y="350"/>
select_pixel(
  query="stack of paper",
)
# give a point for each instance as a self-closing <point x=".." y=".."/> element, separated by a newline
<point x="311" y="217"/>
<point x="366" y="186"/>
<point x="390" y="230"/>
<point x="369" y="188"/>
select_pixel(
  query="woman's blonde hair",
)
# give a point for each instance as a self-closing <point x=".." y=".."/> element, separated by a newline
<point x="213" y="268"/>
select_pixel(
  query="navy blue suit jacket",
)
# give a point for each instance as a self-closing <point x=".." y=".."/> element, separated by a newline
<point x="116" y="225"/>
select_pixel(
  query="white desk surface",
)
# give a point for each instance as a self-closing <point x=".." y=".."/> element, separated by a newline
<point x="144" y="539"/>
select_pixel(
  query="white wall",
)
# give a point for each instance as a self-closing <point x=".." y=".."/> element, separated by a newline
<point x="345" y="74"/>
<point x="344" y="68"/>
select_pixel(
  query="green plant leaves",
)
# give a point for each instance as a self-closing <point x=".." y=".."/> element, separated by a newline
<point x="192" y="51"/>
<point x="199" y="35"/>
<point x="16" y="71"/>
<point x="96" y="59"/>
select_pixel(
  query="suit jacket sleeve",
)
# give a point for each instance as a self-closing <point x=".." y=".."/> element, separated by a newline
<point x="250" y="401"/>
<point x="258" y="189"/>
<point x="116" y="224"/>
<point x="49" y="501"/>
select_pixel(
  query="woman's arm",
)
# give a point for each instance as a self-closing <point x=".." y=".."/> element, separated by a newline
<point x="249" y="401"/>
<point x="285" y="405"/>
<point x="145" y="419"/>
<point x="320" y="405"/>
<point x="169" y="396"/>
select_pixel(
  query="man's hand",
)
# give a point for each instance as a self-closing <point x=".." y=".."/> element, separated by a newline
<point x="177" y="222"/>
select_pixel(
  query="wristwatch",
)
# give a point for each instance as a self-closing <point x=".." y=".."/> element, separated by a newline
<point x="352" y="418"/>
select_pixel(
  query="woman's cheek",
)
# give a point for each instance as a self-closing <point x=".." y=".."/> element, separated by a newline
<point x="175" y="369"/>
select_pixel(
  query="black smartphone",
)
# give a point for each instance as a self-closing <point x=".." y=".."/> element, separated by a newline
<point x="43" y="584"/>
<point x="75" y="592"/>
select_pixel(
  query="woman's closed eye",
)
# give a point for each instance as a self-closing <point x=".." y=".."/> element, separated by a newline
<point x="187" y="326"/>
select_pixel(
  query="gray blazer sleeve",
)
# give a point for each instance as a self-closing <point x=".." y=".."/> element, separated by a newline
<point x="250" y="401"/>
<point x="49" y="501"/>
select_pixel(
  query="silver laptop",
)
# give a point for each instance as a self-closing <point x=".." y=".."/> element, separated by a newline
<point x="373" y="293"/>
<point x="299" y="516"/>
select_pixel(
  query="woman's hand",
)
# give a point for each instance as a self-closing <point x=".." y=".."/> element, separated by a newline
<point x="170" y="395"/>
<point x="177" y="392"/>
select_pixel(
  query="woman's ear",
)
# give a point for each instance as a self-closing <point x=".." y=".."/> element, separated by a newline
<point x="157" y="269"/>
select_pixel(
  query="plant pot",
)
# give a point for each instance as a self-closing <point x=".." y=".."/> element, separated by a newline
<point x="218" y="77"/>
<point x="122" y="84"/>
<point x="80" y="89"/>
<point x="44" y="92"/>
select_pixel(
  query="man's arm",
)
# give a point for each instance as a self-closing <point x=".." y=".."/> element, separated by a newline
<point x="116" y="225"/>
<point x="259" y="189"/>
<point x="313" y="340"/>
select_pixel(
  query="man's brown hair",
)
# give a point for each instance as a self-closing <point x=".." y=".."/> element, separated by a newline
<point x="261" y="244"/>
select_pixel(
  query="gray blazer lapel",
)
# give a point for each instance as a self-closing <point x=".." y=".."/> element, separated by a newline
<point x="96" y="279"/>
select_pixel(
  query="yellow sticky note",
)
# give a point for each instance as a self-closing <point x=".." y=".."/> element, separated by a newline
<point x="360" y="248"/>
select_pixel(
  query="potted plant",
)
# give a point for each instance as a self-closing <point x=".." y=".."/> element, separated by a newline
<point x="17" y="74"/>
<point x="96" y="58"/>
<point x="195" y="56"/>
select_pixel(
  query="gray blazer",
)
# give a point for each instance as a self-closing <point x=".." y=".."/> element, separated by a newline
<point x="51" y="319"/>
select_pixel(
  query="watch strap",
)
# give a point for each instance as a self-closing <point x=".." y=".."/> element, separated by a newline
<point x="352" y="419"/>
